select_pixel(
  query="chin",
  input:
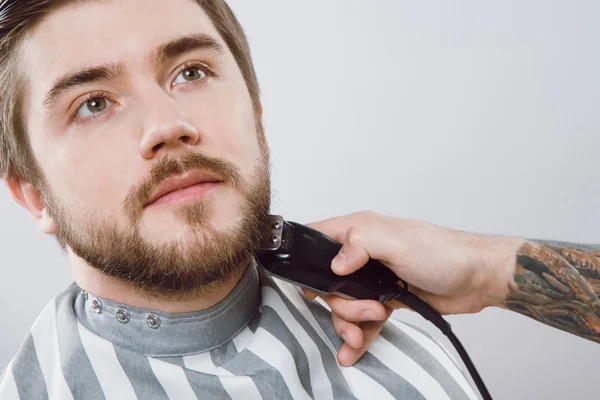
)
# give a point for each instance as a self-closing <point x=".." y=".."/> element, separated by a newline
<point x="186" y="225"/>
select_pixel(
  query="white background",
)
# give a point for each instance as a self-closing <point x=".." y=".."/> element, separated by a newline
<point x="477" y="115"/>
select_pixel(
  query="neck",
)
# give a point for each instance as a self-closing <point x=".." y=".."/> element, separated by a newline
<point x="93" y="281"/>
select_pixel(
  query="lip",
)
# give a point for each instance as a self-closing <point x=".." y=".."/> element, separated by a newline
<point x="184" y="181"/>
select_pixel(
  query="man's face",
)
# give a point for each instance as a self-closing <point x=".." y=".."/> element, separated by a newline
<point x="153" y="104"/>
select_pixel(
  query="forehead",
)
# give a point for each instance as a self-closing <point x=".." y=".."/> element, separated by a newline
<point x="97" y="32"/>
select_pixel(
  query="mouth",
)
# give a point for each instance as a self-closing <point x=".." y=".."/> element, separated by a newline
<point x="184" y="187"/>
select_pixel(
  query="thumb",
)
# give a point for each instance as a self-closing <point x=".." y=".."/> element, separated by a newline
<point x="352" y="256"/>
<point x="358" y="245"/>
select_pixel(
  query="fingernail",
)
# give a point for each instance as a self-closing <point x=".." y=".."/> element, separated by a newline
<point x="337" y="265"/>
<point x="344" y="337"/>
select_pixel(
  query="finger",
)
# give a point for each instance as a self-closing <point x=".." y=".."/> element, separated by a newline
<point x="356" y="310"/>
<point x="363" y="235"/>
<point x="348" y="355"/>
<point x="341" y="229"/>
<point x="358" y="247"/>
<point x="349" y="332"/>
<point x="309" y="294"/>
<point x="352" y="256"/>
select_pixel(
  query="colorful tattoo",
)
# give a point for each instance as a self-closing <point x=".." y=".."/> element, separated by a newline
<point x="558" y="284"/>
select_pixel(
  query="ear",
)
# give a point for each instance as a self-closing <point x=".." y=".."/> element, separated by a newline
<point x="28" y="197"/>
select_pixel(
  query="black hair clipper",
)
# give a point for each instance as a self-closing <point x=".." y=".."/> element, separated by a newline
<point x="302" y="256"/>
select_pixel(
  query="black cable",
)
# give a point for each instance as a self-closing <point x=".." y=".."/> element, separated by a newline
<point x="427" y="312"/>
<point x="470" y="366"/>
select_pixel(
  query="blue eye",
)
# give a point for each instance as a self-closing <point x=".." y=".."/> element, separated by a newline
<point x="92" y="106"/>
<point x="190" y="74"/>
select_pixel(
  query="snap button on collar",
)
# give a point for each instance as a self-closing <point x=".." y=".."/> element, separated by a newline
<point x="122" y="315"/>
<point x="96" y="305"/>
<point x="153" y="321"/>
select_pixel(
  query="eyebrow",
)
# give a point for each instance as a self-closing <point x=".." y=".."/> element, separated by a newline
<point x="104" y="72"/>
<point x="184" y="45"/>
<point x="112" y="71"/>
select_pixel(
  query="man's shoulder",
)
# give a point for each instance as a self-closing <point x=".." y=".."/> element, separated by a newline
<point x="6" y="392"/>
<point x="40" y="328"/>
<point x="407" y="336"/>
<point x="409" y="358"/>
<point x="402" y="335"/>
<point x="404" y="353"/>
<point x="26" y="370"/>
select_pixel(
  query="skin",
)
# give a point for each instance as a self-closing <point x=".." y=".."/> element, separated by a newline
<point x="93" y="154"/>
<point x="555" y="283"/>
<point x="151" y="112"/>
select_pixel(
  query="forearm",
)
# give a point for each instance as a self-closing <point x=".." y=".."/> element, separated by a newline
<point x="558" y="284"/>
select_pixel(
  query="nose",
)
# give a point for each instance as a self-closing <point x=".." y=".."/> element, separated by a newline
<point x="165" y="127"/>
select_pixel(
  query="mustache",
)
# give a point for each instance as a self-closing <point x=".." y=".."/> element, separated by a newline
<point x="167" y="167"/>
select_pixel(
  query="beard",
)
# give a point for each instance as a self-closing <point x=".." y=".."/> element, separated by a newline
<point x="180" y="269"/>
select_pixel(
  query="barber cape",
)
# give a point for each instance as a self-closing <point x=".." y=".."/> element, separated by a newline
<point x="264" y="341"/>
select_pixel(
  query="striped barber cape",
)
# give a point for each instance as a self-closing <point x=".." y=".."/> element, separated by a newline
<point x="264" y="341"/>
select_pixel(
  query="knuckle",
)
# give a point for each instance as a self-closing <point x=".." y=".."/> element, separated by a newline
<point x="366" y="214"/>
<point x="336" y="305"/>
<point x="353" y="236"/>
<point x="339" y="322"/>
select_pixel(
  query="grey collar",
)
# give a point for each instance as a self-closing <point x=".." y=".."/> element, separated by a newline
<point x="158" y="334"/>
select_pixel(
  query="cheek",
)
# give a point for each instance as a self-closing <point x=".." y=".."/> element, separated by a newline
<point x="90" y="176"/>
<point x="228" y="124"/>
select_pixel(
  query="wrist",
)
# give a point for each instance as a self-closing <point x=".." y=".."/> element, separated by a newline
<point x="499" y="259"/>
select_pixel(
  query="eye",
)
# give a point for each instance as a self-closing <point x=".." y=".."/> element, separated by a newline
<point x="92" y="106"/>
<point x="190" y="74"/>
